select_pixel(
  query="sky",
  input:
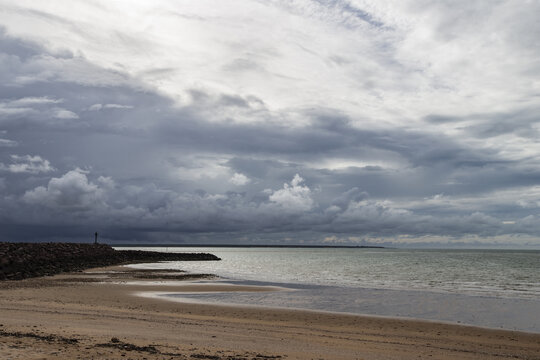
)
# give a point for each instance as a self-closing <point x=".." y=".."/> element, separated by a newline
<point x="402" y="123"/>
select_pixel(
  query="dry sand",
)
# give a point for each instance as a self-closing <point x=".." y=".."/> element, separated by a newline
<point x="95" y="315"/>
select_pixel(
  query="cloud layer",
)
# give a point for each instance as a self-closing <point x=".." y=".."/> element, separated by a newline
<point x="286" y="122"/>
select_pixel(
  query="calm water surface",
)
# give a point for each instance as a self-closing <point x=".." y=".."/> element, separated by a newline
<point x="491" y="288"/>
<point x="500" y="273"/>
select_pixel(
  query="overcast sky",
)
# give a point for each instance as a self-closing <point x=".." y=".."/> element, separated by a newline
<point x="266" y="122"/>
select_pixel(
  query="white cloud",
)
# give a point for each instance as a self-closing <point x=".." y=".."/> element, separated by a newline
<point x="400" y="61"/>
<point x="293" y="196"/>
<point x="117" y="106"/>
<point x="239" y="179"/>
<point x="65" y="114"/>
<point x="201" y="168"/>
<point x="106" y="182"/>
<point x="413" y="56"/>
<point x="37" y="108"/>
<point x="97" y="107"/>
<point x="32" y="100"/>
<point x="71" y="190"/>
<point x="7" y="143"/>
<point x="27" y="164"/>
<point x="10" y="111"/>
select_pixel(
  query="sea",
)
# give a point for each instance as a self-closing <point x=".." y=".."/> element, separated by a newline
<point x="487" y="288"/>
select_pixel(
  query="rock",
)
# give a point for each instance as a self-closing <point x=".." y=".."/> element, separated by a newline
<point x="23" y="260"/>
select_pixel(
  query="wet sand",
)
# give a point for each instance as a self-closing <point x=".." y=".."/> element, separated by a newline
<point x="97" y="315"/>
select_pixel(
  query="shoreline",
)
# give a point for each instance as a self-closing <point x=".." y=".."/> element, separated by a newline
<point x="490" y="312"/>
<point x="85" y="315"/>
<point x="510" y="275"/>
<point x="162" y="295"/>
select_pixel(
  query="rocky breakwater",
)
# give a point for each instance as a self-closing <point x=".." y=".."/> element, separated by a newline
<point x="24" y="260"/>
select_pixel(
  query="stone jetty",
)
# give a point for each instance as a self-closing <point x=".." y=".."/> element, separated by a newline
<point x="25" y="260"/>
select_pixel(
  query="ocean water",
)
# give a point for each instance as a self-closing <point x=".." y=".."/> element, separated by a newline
<point x="493" y="288"/>
<point x="500" y="273"/>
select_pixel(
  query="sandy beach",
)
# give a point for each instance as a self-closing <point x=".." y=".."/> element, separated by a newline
<point x="97" y="314"/>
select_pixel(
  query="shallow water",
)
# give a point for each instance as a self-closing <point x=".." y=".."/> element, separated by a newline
<point x="511" y="314"/>
<point x="491" y="288"/>
<point x="499" y="273"/>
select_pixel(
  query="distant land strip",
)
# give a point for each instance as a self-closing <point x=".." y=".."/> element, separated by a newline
<point x="25" y="260"/>
<point x="254" y="246"/>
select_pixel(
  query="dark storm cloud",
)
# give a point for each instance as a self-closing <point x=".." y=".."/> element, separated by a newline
<point x="325" y="135"/>
<point x="441" y="119"/>
<point x="15" y="47"/>
<point x="432" y="156"/>
<point x="90" y="148"/>
<point x="520" y="123"/>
